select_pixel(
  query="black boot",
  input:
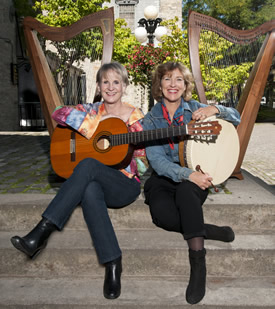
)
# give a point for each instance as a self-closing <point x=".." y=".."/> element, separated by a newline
<point x="112" y="285"/>
<point x="221" y="233"/>
<point x="196" y="287"/>
<point x="36" y="240"/>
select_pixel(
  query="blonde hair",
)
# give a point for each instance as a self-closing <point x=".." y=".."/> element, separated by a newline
<point x="164" y="69"/>
<point x="115" y="66"/>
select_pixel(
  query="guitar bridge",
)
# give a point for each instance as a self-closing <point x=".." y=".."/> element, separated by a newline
<point x="72" y="146"/>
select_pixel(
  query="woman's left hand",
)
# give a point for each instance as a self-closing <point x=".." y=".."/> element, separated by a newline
<point x="204" y="112"/>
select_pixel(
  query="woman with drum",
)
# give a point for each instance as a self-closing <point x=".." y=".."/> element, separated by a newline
<point x="175" y="194"/>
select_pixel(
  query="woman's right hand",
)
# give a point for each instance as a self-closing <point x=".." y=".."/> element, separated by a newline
<point x="201" y="180"/>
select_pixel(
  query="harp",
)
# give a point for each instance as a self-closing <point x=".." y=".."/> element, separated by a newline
<point x="65" y="60"/>
<point x="252" y="50"/>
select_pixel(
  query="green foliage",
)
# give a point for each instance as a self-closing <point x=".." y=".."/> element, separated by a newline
<point x="221" y="77"/>
<point x="124" y="42"/>
<point x="176" y="43"/>
<point x="238" y="14"/>
<point x="242" y="14"/>
<point x="266" y="114"/>
<point x="60" y="13"/>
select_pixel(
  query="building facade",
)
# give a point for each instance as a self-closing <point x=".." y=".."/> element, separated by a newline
<point x="133" y="10"/>
<point x="19" y="100"/>
<point x="9" y="116"/>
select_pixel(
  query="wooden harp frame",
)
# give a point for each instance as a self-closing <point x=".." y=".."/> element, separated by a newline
<point x="252" y="93"/>
<point x="45" y="83"/>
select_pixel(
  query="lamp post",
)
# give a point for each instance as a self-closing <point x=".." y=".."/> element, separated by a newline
<point x="149" y="27"/>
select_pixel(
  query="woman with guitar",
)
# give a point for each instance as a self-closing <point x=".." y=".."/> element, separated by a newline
<point x="175" y="194"/>
<point x="92" y="184"/>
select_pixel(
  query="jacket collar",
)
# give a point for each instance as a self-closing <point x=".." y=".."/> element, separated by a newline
<point x="156" y="111"/>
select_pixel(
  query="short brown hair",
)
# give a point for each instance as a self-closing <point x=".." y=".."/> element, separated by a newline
<point x="165" y="68"/>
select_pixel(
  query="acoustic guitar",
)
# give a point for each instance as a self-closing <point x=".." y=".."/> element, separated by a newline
<point x="112" y="144"/>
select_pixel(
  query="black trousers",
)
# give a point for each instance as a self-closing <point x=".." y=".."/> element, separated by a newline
<point x="176" y="206"/>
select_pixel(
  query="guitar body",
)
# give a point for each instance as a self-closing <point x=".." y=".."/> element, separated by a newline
<point x="68" y="147"/>
<point x="217" y="155"/>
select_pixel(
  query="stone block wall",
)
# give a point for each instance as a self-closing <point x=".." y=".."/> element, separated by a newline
<point x="8" y="91"/>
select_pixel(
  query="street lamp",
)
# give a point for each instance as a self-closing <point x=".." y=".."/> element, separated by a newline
<point x="149" y="26"/>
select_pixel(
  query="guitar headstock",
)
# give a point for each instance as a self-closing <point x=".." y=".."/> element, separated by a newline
<point x="204" y="128"/>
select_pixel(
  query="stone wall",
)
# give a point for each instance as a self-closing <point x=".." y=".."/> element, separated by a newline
<point x="168" y="9"/>
<point x="137" y="96"/>
<point x="8" y="91"/>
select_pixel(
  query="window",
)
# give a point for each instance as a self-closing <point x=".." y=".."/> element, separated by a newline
<point x="127" y="11"/>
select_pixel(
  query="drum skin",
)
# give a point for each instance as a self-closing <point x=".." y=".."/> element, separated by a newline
<point x="216" y="155"/>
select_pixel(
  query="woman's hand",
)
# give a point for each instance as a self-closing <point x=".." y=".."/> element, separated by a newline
<point x="201" y="180"/>
<point x="204" y="112"/>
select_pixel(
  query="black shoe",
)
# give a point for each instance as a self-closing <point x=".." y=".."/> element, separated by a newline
<point x="196" y="288"/>
<point x="35" y="240"/>
<point x="112" y="285"/>
<point x="221" y="233"/>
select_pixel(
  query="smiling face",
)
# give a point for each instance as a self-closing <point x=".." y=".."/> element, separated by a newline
<point x="173" y="86"/>
<point x="111" y="87"/>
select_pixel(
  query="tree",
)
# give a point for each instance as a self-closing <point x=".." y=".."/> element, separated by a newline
<point x="238" y="14"/>
<point x="62" y="13"/>
<point x="199" y="6"/>
<point x="124" y="42"/>
<point x="242" y="14"/>
<point x="219" y="80"/>
<point x="72" y="53"/>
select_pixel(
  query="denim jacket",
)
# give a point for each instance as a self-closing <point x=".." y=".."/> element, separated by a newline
<point x="165" y="160"/>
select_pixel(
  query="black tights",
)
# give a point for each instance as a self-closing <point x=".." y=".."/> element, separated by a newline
<point x="196" y="243"/>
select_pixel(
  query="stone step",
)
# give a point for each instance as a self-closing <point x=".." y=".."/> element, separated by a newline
<point x="155" y="262"/>
<point x="145" y="253"/>
<point x="254" y="217"/>
<point x="137" y="292"/>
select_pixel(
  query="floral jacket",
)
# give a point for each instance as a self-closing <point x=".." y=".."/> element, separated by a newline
<point x="85" y="118"/>
<point x="164" y="159"/>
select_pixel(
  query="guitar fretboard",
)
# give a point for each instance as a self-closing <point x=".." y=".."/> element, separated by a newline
<point x="147" y="135"/>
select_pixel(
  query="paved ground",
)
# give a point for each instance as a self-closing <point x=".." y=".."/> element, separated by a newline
<point x="25" y="160"/>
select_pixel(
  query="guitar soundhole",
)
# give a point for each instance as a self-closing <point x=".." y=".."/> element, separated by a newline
<point x="102" y="143"/>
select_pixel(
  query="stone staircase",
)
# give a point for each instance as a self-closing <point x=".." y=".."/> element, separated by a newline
<point x="155" y="262"/>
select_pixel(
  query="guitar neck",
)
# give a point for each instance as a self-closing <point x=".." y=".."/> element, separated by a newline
<point x="147" y="135"/>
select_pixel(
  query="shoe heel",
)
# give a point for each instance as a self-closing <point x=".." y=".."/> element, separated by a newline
<point x="36" y="253"/>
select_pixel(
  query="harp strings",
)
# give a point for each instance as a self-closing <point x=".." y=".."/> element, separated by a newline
<point x="74" y="64"/>
<point x="220" y="60"/>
